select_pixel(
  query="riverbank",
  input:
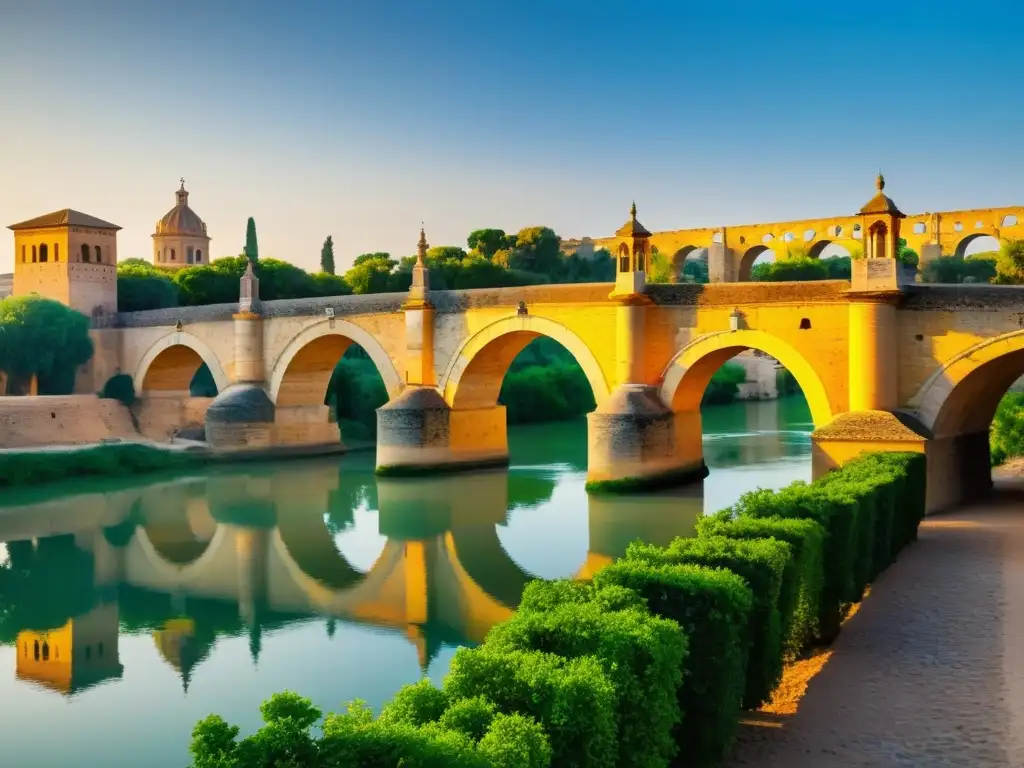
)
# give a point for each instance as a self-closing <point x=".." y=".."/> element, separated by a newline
<point x="49" y="464"/>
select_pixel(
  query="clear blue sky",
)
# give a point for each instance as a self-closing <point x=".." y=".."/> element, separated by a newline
<point x="360" y="119"/>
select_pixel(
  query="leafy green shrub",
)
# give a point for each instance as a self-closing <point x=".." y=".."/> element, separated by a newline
<point x="800" y="593"/>
<point x="515" y="741"/>
<point x="712" y="608"/>
<point x="798" y="268"/>
<point x="908" y="470"/>
<point x="837" y="513"/>
<point x="1007" y="434"/>
<point x="761" y="563"/>
<point x="641" y="654"/>
<point x="540" y="595"/>
<point x="355" y="738"/>
<point x="871" y="482"/>
<point x="119" y="387"/>
<point x="957" y="269"/>
<point x="573" y="699"/>
<point x="416" y="704"/>
<point x="469" y="716"/>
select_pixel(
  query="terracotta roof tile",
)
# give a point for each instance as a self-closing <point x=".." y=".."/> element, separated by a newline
<point x="66" y="217"/>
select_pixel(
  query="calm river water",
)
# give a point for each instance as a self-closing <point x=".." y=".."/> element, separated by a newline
<point x="130" y="609"/>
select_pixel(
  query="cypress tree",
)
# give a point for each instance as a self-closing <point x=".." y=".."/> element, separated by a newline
<point x="327" y="256"/>
<point x="252" y="249"/>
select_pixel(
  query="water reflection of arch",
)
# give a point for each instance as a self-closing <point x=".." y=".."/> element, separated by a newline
<point x="462" y="514"/>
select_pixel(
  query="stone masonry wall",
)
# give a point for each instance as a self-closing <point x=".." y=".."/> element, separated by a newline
<point x="29" y="422"/>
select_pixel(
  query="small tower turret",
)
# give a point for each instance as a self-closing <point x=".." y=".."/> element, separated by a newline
<point x="632" y="254"/>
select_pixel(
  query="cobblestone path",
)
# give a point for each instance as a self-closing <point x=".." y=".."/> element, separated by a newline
<point x="930" y="672"/>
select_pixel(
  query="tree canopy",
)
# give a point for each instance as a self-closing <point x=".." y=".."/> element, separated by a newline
<point x="42" y="338"/>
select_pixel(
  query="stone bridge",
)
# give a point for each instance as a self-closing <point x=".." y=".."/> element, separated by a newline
<point x="732" y="250"/>
<point x="882" y="363"/>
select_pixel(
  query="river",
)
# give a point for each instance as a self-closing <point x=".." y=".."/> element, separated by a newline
<point x="131" y="608"/>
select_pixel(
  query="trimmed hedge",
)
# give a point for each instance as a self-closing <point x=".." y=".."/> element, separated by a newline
<point x="651" y="662"/>
<point x="761" y="563"/>
<point x="712" y="606"/>
<point x="800" y="594"/>
<point x="641" y="654"/>
<point x="573" y="698"/>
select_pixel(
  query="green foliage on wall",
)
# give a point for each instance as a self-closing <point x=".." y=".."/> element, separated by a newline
<point x="1007" y="434"/>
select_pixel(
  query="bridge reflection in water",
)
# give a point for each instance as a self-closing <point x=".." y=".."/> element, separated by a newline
<point x="247" y="552"/>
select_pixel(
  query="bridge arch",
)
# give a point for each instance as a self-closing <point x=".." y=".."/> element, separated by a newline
<point x="962" y="396"/>
<point x="746" y="265"/>
<point x="964" y="244"/>
<point x="475" y="373"/>
<point x="689" y="372"/>
<point x="303" y="370"/>
<point x="171" y="362"/>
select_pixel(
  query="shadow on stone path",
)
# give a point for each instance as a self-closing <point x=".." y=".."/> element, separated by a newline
<point x="930" y="672"/>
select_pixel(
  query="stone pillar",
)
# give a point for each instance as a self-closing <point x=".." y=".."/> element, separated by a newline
<point x="872" y="354"/>
<point x="419" y="432"/>
<point x="929" y="252"/>
<point x="248" y="364"/>
<point x="721" y="265"/>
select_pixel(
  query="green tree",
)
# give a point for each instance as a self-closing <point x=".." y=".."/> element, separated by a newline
<point x="252" y="248"/>
<point x="141" y="286"/>
<point x="980" y="268"/>
<point x="371" y="274"/>
<point x="487" y="242"/>
<point x="537" y="249"/>
<point x="906" y="255"/>
<point x="45" y="339"/>
<point x="1010" y="262"/>
<point x="327" y="256"/>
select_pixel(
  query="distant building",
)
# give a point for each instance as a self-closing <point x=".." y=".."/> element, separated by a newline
<point x="70" y="257"/>
<point x="180" y="239"/>
<point x="6" y="285"/>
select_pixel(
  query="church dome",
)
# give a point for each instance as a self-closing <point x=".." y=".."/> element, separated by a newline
<point x="181" y="220"/>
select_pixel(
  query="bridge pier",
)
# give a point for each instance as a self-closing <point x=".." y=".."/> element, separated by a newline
<point x="635" y="442"/>
<point x="419" y="432"/>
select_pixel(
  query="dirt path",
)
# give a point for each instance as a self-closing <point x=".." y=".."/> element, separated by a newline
<point x="930" y="672"/>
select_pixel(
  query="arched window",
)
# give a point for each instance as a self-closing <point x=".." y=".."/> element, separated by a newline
<point x="33" y="254"/>
<point x="172" y="254"/>
<point x="190" y="255"/>
<point x="99" y="255"/>
<point x="35" y="650"/>
<point x="56" y="251"/>
<point x="199" y="255"/>
<point x="44" y="252"/>
<point x="85" y="252"/>
<point x="46" y="651"/>
<point x="623" y="258"/>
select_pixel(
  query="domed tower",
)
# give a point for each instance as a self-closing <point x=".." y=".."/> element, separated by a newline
<point x="180" y="239"/>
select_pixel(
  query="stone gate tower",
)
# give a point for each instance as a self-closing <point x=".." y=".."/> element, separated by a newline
<point x="70" y="257"/>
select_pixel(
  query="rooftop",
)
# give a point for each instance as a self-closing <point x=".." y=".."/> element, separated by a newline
<point x="66" y="217"/>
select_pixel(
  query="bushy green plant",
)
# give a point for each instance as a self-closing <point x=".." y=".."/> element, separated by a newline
<point x="874" y="486"/>
<point x="416" y="704"/>
<point x="641" y="654"/>
<point x="119" y="387"/>
<point x="572" y="699"/>
<point x="837" y="513"/>
<point x="957" y="269"/>
<point x="1006" y="437"/>
<point x="800" y="594"/>
<point x="712" y="607"/>
<point x="540" y="595"/>
<point x="761" y="563"/>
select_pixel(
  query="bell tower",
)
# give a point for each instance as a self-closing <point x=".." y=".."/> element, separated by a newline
<point x="70" y="257"/>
